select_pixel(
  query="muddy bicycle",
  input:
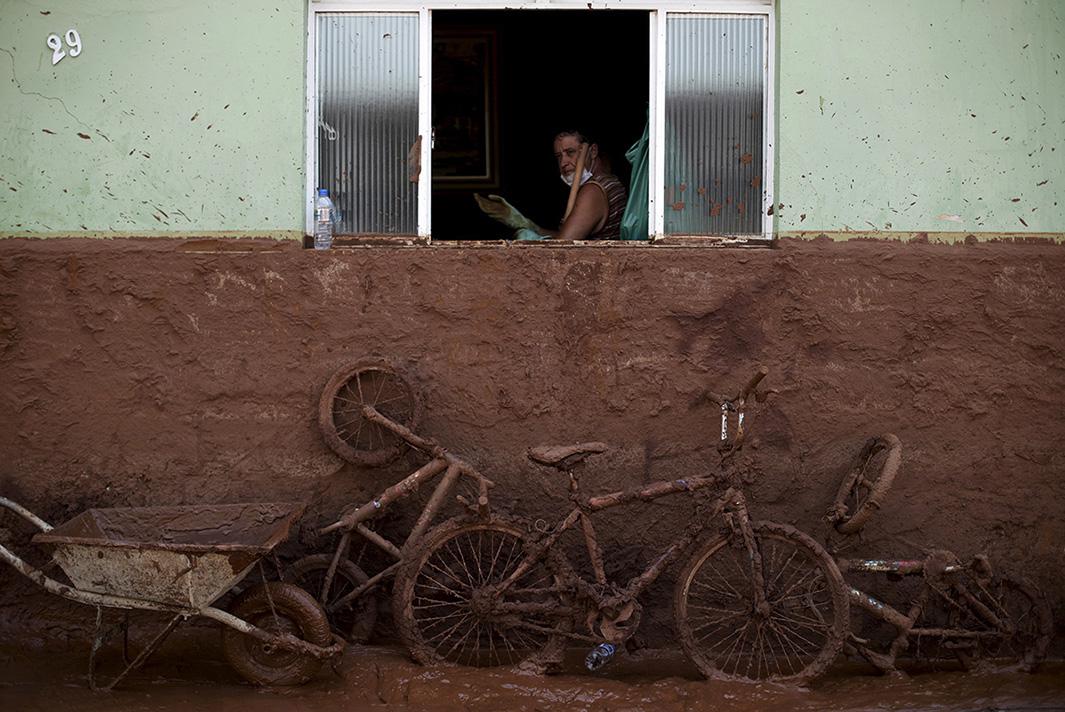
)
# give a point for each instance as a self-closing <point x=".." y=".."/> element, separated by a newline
<point x="754" y="600"/>
<point x="960" y="609"/>
<point x="366" y="415"/>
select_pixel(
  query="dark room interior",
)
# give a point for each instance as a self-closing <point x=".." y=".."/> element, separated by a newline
<point x="506" y="82"/>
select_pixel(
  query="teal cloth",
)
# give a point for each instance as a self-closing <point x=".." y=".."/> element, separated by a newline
<point x="634" y="221"/>
<point x="527" y="234"/>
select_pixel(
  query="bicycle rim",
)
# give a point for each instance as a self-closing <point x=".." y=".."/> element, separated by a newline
<point x="794" y="641"/>
<point x="444" y="614"/>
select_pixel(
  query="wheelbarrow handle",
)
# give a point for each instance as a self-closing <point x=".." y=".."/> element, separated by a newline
<point x="26" y="514"/>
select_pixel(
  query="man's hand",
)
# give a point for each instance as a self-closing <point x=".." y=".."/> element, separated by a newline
<point x="495" y="207"/>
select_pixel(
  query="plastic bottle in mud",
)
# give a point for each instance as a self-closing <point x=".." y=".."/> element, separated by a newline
<point x="599" y="656"/>
<point x="324" y="213"/>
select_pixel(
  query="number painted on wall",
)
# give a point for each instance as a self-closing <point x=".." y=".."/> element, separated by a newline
<point x="56" y="45"/>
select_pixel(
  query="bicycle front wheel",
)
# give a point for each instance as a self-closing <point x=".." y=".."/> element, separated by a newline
<point x="447" y="610"/>
<point x="793" y="639"/>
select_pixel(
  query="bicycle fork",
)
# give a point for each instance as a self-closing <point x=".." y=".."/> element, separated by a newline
<point x="739" y="520"/>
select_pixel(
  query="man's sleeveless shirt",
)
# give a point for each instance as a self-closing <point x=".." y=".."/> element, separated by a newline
<point x="616" y="201"/>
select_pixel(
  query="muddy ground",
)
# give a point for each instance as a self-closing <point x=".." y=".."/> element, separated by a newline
<point x="191" y="676"/>
<point x="136" y="372"/>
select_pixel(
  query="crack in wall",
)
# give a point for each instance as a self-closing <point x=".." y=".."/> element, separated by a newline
<point x="18" y="85"/>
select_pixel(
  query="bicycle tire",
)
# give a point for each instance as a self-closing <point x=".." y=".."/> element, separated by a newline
<point x="357" y="620"/>
<point x="297" y="613"/>
<point x="853" y="509"/>
<point x="441" y="582"/>
<point x="373" y="382"/>
<point x="1028" y="615"/>
<point x="799" y="637"/>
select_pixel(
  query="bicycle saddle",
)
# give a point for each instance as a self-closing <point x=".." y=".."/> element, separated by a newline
<point x="564" y="456"/>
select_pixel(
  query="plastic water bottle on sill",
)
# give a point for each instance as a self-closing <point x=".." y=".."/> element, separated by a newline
<point x="324" y="213"/>
<point x="599" y="656"/>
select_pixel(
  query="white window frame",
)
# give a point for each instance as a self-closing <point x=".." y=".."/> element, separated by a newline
<point x="657" y="13"/>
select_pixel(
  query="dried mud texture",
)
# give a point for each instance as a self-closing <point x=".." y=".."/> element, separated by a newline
<point x="152" y="372"/>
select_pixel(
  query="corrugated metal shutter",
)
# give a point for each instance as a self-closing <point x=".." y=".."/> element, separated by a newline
<point x="367" y="88"/>
<point x="715" y="87"/>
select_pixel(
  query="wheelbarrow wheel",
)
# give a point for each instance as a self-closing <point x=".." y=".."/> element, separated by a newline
<point x="293" y="611"/>
<point x="372" y="382"/>
<point x="355" y="621"/>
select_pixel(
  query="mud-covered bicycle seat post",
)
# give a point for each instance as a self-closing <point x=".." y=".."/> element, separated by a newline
<point x="565" y="458"/>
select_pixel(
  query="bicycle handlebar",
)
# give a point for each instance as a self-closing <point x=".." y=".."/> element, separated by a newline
<point x="743" y="395"/>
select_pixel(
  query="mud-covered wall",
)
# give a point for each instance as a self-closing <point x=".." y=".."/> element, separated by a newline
<point x="167" y="372"/>
<point x="934" y="115"/>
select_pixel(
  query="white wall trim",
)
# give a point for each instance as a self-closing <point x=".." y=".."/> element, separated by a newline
<point x="425" y="120"/>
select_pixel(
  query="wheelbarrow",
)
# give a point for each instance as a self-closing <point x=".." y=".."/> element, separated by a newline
<point x="180" y="560"/>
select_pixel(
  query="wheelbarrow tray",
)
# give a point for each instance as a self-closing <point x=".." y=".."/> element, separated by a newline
<point x="185" y="556"/>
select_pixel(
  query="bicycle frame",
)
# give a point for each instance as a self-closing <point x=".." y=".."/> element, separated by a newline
<point x="904" y="622"/>
<point x="354" y="521"/>
<point x="452" y="466"/>
<point x="732" y="499"/>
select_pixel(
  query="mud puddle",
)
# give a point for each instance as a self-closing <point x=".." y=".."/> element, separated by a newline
<point x="194" y="677"/>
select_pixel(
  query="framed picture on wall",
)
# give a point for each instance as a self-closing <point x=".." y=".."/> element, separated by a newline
<point x="466" y="139"/>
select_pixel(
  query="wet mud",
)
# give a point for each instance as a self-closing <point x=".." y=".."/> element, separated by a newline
<point x="192" y="677"/>
<point x="165" y="372"/>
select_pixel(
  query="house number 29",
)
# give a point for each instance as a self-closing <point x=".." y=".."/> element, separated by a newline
<point x="56" y="45"/>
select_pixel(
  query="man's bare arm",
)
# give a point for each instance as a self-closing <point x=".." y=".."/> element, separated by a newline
<point x="589" y="213"/>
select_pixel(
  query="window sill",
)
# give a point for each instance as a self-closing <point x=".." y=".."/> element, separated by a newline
<point x="672" y="241"/>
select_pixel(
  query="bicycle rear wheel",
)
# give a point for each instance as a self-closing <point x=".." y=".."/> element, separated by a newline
<point x="867" y="483"/>
<point x="793" y="640"/>
<point x="355" y="622"/>
<point x="446" y="612"/>
<point x="1025" y="633"/>
<point x="368" y="382"/>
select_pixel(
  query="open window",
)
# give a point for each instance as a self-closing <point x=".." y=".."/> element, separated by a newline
<point x="415" y="106"/>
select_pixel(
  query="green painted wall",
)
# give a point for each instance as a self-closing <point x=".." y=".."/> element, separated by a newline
<point x="182" y="117"/>
<point x="875" y="105"/>
<point x="921" y="115"/>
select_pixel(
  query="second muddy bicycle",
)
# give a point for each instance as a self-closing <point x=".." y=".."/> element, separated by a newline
<point x="956" y="609"/>
<point x="754" y="600"/>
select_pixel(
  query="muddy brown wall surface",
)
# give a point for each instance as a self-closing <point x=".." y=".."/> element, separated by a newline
<point x="167" y="372"/>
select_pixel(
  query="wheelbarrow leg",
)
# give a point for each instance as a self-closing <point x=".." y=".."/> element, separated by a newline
<point x="98" y="641"/>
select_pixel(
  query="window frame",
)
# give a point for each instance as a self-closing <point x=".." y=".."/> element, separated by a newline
<point x="658" y="15"/>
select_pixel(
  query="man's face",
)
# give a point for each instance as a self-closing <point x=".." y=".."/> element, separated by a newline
<point x="567" y="149"/>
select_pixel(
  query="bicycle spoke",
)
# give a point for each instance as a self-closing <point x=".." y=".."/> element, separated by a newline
<point x="717" y="622"/>
<point x="447" y="631"/>
<point x="495" y="559"/>
<point x="794" y="634"/>
<point x="441" y="567"/>
<point x="715" y="609"/>
<point x="720" y="591"/>
<point x="459" y="558"/>
<point x="726" y="639"/>
<point x="735" y="645"/>
<point x="802" y="577"/>
<point x="460" y="641"/>
<point x="785" y="644"/>
<point x="713" y="570"/>
<point x="769" y="586"/>
<point x="801" y="620"/>
<point x="430" y="620"/>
